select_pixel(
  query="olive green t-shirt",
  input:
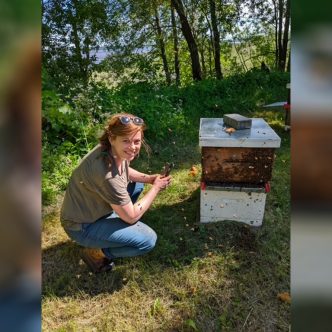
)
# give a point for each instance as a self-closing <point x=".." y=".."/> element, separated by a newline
<point x="94" y="185"/>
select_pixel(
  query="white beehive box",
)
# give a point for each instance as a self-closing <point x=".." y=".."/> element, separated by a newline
<point x="235" y="168"/>
<point x="260" y="135"/>
<point x="219" y="204"/>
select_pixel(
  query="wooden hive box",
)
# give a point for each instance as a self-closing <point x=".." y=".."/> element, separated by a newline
<point x="244" y="156"/>
<point x="244" y="165"/>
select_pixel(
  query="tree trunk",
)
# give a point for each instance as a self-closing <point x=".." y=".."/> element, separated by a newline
<point x="285" y="38"/>
<point x="276" y="56"/>
<point x="160" y="41"/>
<point x="216" y="40"/>
<point x="209" y="42"/>
<point x="78" y="51"/>
<point x="243" y="62"/>
<point x="280" y="18"/>
<point x="289" y="62"/>
<point x="188" y="35"/>
<point x="210" y="58"/>
<point x="87" y="55"/>
<point x="201" y="51"/>
<point x="176" y="48"/>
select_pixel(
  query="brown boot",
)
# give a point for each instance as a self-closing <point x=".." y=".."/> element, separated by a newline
<point x="96" y="260"/>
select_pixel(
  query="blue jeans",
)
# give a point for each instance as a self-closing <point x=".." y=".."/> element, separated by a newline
<point x="115" y="237"/>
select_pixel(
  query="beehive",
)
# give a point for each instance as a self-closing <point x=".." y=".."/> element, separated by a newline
<point x="244" y="156"/>
<point x="235" y="169"/>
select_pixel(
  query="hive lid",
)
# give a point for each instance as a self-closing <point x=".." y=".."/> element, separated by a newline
<point x="260" y="135"/>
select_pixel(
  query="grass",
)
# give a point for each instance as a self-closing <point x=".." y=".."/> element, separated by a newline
<point x="211" y="277"/>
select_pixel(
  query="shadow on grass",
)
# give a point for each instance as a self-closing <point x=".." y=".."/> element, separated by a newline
<point x="181" y="238"/>
<point x="64" y="274"/>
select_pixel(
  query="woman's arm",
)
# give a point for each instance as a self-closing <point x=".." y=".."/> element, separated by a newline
<point x="136" y="176"/>
<point x="130" y="212"/>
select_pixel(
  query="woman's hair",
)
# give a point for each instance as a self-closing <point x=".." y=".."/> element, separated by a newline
<point x="114" y="127"/>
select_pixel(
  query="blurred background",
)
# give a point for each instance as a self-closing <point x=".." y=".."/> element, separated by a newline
<point x="311" y="232"/>
<point x="311" y="129"/>
<point x="20" y="134"/>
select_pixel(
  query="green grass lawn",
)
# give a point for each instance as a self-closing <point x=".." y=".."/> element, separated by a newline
<point x="211" y="277"/>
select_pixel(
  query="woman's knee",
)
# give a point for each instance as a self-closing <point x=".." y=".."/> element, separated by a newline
<point x="150" y="239"/>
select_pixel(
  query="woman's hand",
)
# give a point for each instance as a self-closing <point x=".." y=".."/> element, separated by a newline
<point x="161" y="182"/>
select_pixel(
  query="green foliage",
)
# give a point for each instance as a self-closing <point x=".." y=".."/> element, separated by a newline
<point x="69" y="132"/>
<point x="190" y="323"/>
<point x="172" y="115"/>
<point x="156" y="308"/>
<point x="56" y="170"/>
<point x="74" y="31"/>
<point x="170" y="111"/>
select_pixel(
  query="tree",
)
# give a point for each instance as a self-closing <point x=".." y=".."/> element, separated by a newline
<point x="264" y="26"/>
<point x="216" y="39"/>
<point x="281" y="24"/>
<point x="161" y="43"/>
<point x="142" y="40"/>
<point x="188" y="35"/>
<point x="176" y="47"/>
<point x="283" y="52"/>
<point x="72" y="32"/>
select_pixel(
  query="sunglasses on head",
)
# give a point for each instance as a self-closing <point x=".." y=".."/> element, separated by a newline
<point x="136" y="120"/>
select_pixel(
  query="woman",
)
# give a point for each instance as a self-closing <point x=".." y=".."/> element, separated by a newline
<point x="101" y="210"/>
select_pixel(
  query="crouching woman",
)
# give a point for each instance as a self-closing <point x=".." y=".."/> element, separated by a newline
<point x="101" y="209"/>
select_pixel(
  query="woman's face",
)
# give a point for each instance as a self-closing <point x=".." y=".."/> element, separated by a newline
<point x="127" y="147"/>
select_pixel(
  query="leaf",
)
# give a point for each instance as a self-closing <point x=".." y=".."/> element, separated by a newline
<point x="191" y="323"/>
<point x="156" y="307"/>
<point x="65" y="109"/>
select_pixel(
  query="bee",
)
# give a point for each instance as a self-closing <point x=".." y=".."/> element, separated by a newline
<point x="230" y="130"/>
